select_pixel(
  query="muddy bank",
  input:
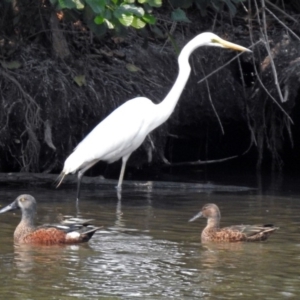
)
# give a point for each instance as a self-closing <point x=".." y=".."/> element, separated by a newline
<point x="50" y="181"/>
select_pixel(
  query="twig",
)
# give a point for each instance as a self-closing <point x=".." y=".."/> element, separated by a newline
<point x="205" y="162"/>
<point x="253" y="139"/>
<point x="30" y="149"/>
<point x="272" y="64"/>
<point x="269" y="94"/>
<point x="280" y="10"/>
<point x="19" y="86"/>
<point x="212" y="104"/>
<point x="223" y="66"/>
<point x="173" y="27"/>
<point x="286" y="27"/>
<point x="9" y="110"/>
<point x="267" y="45"/>
<point x="215" y="21"/>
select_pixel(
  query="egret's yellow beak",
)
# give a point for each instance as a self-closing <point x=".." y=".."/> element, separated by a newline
<point x="228" y="45"/>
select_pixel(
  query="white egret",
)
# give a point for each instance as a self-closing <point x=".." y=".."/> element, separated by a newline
<point x="125" y="129"/>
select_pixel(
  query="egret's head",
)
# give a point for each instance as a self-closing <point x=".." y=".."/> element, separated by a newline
<point x="211" y="39"/>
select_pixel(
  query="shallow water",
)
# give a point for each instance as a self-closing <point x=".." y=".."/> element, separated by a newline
<point x="148" y="250"/>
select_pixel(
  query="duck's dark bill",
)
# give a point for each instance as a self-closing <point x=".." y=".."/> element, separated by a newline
<point x="196" y="217"/>
<point x="9" y="207"/>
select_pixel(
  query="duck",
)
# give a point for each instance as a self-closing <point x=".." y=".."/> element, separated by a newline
<point x="237" y="233"/>
<point x="70" y="231"/>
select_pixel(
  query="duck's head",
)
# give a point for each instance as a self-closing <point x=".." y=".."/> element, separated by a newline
<point x="209" y="211"/>
<point x="24" y="202"/>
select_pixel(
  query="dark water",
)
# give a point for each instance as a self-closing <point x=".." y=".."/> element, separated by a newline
<point x="148" y="250"/>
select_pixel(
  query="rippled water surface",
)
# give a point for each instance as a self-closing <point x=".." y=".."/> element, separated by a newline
<point x="148" y="250"/>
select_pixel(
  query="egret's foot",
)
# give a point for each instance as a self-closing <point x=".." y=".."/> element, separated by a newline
<point x="119" y="194"/>
<point x="77" y="207"/>
<point x="118" y="188"/>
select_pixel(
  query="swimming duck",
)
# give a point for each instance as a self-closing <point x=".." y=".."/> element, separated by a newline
<point x="70" y="231"/>
<point x="238" y="233"/>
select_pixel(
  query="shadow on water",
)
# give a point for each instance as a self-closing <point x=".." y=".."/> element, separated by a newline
<point x="148" y="250"/>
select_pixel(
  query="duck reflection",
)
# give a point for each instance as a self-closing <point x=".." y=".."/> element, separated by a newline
<point x="29" y="259"/>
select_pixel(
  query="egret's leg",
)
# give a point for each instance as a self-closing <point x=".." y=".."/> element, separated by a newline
<point x="124" y="161"/>
<point x="80" y="174"/>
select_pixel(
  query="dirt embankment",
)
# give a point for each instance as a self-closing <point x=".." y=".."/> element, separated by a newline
<point x="58" y="80"/>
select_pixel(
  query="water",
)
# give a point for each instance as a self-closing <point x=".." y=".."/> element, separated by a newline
<point x="148" y="250"/>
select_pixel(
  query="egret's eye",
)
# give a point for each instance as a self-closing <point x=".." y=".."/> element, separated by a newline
<point x="22" y="199"/>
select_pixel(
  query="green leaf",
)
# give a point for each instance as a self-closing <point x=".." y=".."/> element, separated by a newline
<point x="53" y="2"/>
<point x="157" y="32"/>
<point x="89" y="19"/>
<point x="80" y="80"/>
<point x="138" y="23"/>
<point x="129" y="9"/>
<point x="69" y="4"/>
<point x="126" y="20"/>
<point x="132" y="68"/>
<point x="149" y="19"/>
<point x="109" y="24"/>
<point x="79" y="4"/>
<point x="178" y="15"/>
<point x="98" y="6"/>
<point x="155" y="3"/>
<point x="99" y="20"/>
<point x="107" y="14"/>
<point x="11" y="65"/>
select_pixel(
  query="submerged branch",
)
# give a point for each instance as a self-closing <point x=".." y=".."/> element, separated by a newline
<point x="213" y="161"/>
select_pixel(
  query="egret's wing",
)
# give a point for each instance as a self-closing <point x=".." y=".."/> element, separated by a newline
<point x="117" y="135"/>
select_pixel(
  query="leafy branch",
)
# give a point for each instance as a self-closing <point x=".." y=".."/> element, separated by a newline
<point x="111" y="14"/>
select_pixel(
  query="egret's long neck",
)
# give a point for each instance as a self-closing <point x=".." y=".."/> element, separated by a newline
<point x="166" y="107"/>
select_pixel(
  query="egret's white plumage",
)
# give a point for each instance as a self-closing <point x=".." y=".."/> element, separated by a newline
<point x="124" y="130"/>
